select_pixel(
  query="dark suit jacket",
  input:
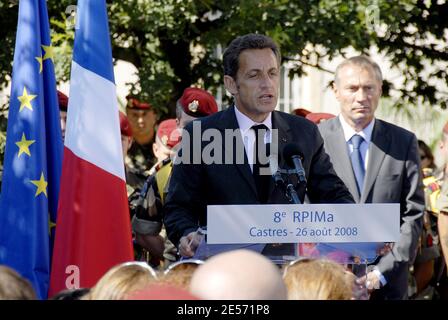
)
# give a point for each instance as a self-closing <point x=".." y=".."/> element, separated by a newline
<point x="194" y="186"/>
<point x="393" y="176"/>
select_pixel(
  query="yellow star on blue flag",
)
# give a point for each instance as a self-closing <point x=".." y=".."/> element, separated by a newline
<point x="25" y="100"/>
<point x="49" y="52"/>
<point x="41" y="185"/>
<point x="33" y="153"/>
<point x="24" y="145"/>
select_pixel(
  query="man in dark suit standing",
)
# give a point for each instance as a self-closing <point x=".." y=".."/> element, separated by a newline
<point x="251" y="75"/>
<point x="379" y="163"/>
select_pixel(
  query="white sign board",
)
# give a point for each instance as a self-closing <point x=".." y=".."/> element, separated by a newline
<point x="291" y="223"/>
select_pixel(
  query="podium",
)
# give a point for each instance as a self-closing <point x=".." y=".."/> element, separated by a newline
<point x="345" y="233"/>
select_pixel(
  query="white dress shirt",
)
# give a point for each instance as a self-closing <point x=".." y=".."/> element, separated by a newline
<point x="248" y="135"/>
<point x="365" y="133"/>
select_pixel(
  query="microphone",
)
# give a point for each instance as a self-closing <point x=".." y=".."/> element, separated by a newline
<point x="293" y="157"/>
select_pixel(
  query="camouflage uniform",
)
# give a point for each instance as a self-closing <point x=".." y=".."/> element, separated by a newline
<point x="148" y="209"/>
<point x="134" y="180"/>
<point x="148" y="206"/>
<point x="432" y="181"/>
<point x="428" y="247"/>
<point x="442" y="206"/>
<point x="140" y="157"/>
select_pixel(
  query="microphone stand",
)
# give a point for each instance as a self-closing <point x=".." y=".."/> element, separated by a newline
<point x="289" y="189"/>
<point x="291" y="193"/>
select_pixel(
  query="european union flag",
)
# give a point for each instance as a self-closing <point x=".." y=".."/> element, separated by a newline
<point x="33" y="155"/>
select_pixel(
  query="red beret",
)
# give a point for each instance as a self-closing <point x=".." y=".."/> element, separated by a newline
<point x="167" y="133"/>
<point x="445" y="128"/>
<point x="63" y="101"/>
<point x="134" y="103"/>
<point x="317" y="117"/>
<point x="125" y="126"/>
<point x="301" y="112"/>
<point x="162" y="292"/>
<point x="198" y="103"/>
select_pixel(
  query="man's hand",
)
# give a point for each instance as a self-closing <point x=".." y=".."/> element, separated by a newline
<point x="155" y="245"/>
<point x="382" y="251"/>
<point x="189" y="243"/>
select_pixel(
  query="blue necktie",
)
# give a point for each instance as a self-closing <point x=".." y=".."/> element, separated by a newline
<point x="357" y="163"/>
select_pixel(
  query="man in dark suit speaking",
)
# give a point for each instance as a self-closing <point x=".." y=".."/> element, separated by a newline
<point x="252" y="76"/>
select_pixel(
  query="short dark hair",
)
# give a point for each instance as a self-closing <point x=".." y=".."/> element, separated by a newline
<point x="427" y="153"/>
<point x="239" y="44"/>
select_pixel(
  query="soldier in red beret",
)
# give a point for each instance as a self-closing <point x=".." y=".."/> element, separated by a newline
<point x="167" y="137"/>
<point x="142" y="118"/>
<point x="147" y="223"/>
<point x="126" y="133"/>
<point x="134" y="178"/>
<point x="63" y="104"/>
<point x="194" y="103"/>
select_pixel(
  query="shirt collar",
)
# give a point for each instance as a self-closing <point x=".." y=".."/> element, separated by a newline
<point x="349" y="132"/>
<point x="245" y="123"/>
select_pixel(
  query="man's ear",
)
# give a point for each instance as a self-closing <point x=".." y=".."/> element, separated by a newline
<point x="335" y="90"/>
<point x="155" y="148"/>
<point x="230" y="85"/>
<point x="131" y="141"/>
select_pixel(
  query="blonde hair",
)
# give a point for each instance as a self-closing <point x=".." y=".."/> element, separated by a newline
<point x="179" y="274"/>
<point x="318" y="279"/>
<point x="122" y="280"/>
<point x="14" y="287"/>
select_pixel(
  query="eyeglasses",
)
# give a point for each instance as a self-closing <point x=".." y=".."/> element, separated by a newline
<point x="183" y="264"/>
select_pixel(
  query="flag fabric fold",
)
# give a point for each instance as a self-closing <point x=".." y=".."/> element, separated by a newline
<point x="33" y="154"/>
<point x="93" y="227"/>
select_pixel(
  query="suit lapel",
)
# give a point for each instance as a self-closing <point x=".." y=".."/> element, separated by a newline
<point x="228" y="121"/>
<point x="337" y="148"/>
<point x="378" y="148"/>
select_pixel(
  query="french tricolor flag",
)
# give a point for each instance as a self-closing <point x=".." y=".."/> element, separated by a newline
<point x="93" y="230"/>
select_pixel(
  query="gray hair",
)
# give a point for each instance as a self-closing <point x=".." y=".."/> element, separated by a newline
<point x="363" y="62"/>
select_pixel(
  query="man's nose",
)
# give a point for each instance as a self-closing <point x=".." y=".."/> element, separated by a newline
<point x="266" y="81"/>
<point x="361" y="94"/>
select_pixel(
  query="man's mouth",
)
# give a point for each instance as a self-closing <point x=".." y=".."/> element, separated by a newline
<point x="361" y="108"/>
<point x="266" y="97"/>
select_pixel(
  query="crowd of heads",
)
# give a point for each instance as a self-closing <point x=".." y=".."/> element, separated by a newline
<point x="233" y="275"/>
